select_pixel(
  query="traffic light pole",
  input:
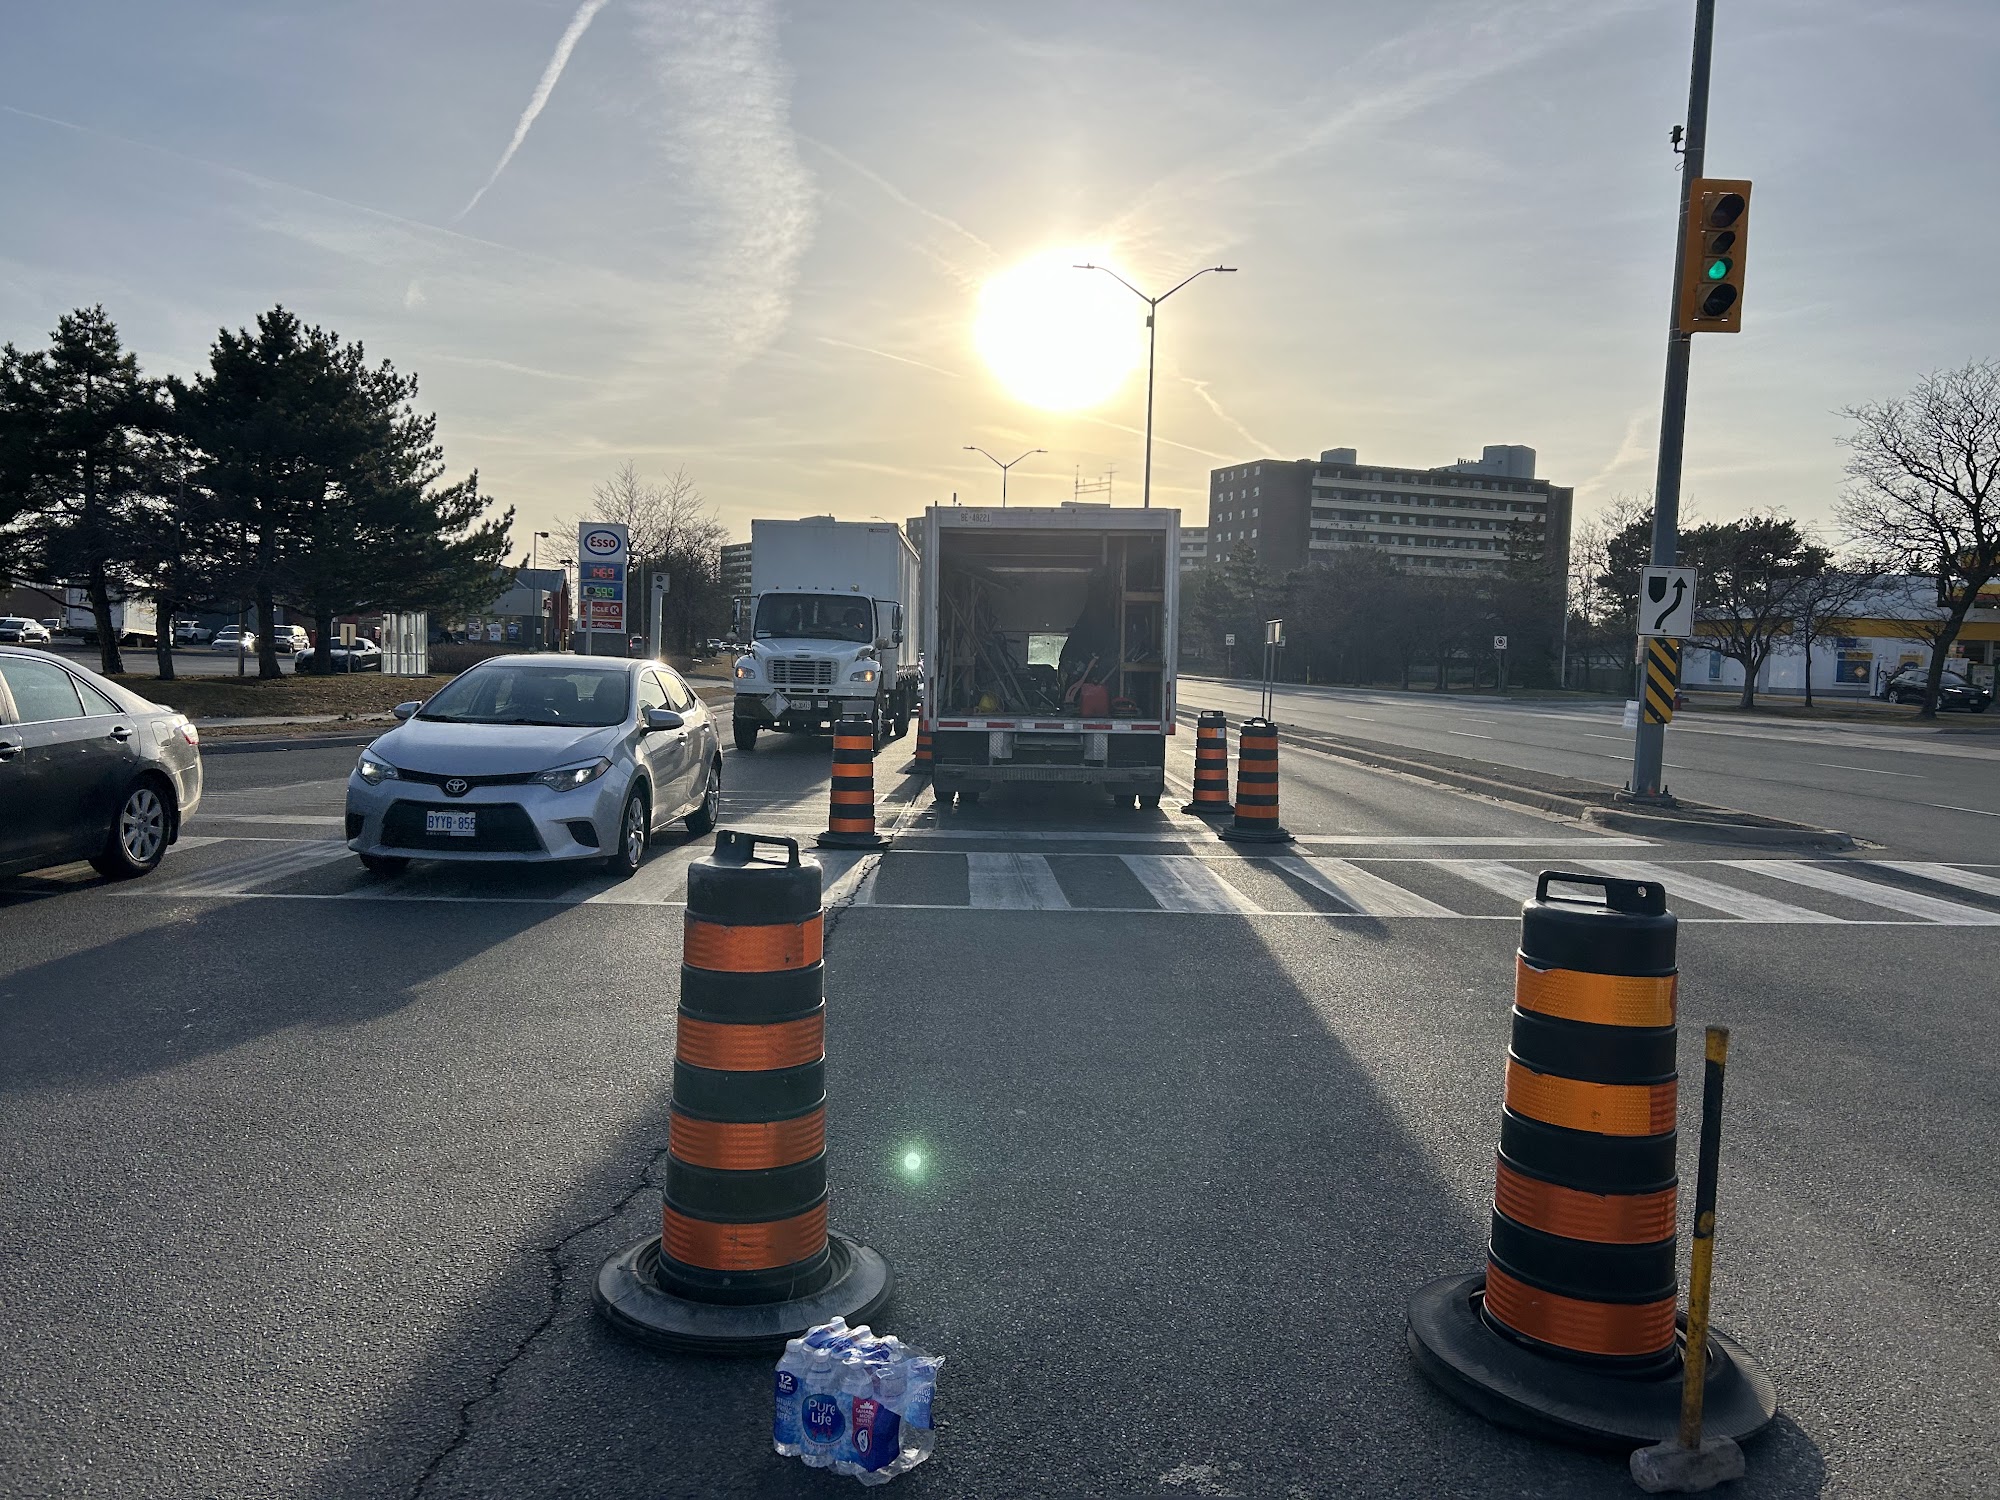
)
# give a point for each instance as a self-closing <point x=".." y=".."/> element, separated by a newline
<point x="1649" y="746"/>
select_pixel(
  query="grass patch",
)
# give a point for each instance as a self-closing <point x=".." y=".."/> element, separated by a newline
<point x="350" y="694"/>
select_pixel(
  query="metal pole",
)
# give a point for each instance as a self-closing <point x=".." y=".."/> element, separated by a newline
<point x="534" y="558"/>
<point x="1649" y="743"/>
<point x="1003" y="483"/>
<point x="1152" y="348"/>
<point x="1701" y="1259"/>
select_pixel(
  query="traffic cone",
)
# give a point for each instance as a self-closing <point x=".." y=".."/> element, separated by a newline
<point x="1256" y="819"/>
<point x="744" y="1259"/>
<point x="1570" y="1333"/>
<point x="1211" y="767"/>
<point x="850" y="822"/>
<point x="923" y="749"/>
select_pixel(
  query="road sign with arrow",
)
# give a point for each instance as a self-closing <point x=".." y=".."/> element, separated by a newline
<point x="1666" y="602"/>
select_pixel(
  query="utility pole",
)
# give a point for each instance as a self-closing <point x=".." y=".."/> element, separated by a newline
<point x="1649" y="745"/>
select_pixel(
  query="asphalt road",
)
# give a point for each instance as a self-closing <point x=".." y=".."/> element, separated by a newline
<point x="1933" y="789"/>
<point x="310" y="1174"/>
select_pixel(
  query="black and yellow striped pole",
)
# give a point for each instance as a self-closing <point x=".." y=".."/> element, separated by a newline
<point x="1663" y="679"/>
<point x="744" y="1259"/>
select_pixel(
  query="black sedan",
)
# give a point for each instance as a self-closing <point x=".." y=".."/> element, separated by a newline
<point x="362" y="656"/>
<point x="1908" y="684"/>
<point x="88" y="770"/>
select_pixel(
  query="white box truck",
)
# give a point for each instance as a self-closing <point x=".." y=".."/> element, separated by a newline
<point x="830" y="607"/>
<point x="1049" y="641"/>
<point x="132" y="620"/>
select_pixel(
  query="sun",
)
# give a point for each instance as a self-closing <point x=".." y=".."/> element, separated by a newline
<point x="1057" y="337"/>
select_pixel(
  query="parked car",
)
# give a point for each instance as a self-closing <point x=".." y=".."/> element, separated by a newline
<point x="362" y="656"/>
<point x="538" y="758"/>
<point x="88" y="769"/>
<point x="53" y="624"/>
<point x="232" y="638"/>
<point x="1909" y="682"/>
<point x="190" y="633"/>
<point x="291" y="639"/>
<point x="18" y="631"/>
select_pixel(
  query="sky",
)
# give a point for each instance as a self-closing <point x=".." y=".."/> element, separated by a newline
<point x="759" y="241"/>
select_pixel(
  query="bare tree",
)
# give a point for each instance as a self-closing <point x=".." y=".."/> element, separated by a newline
<point x="1925" y="492"/>
<point x="675" y="532"/>
<point x="1750" y="570"/>
<point x="1825" y="599"/>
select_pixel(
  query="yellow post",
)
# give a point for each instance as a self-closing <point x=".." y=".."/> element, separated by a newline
<point x="1702" y="1259"/>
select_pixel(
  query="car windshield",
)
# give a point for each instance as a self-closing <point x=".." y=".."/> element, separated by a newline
<point x="533" y="693"/>
<point x="823" y="617"/>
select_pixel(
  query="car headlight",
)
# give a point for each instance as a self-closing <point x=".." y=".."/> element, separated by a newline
<point x="374" y="771"/>
<point x="569" y="778"/>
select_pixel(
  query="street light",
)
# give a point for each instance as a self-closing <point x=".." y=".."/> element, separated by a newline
<point x="1152" y="340"/>
<point x="969" y="448"/>
<point x="541" y="610"/>
<point x="562" y="630"/>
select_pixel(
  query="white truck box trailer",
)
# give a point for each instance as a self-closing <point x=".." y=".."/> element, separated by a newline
<point x="1050" y="642"/>
<point x="830" y="620"/>
<point x="132" y="620"/>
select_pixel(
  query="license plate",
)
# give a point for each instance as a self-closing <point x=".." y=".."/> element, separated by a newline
<point x="461" y="825"/>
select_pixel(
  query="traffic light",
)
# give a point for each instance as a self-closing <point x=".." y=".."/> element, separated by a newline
<point x="1718" y="232"/>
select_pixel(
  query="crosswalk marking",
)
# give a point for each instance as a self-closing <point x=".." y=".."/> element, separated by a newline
<point x="240" y="877"/>
<point x="1746" y="906"/>
<point x="1357" y="889"/>
<point x="1013" y="882"/>
<point x="296" y="820"/>
<point x="1181" y="883"/>
<point x="1965" y="880"/>
<point x="1500" y="878"/>
<point x="1820" y="878"/>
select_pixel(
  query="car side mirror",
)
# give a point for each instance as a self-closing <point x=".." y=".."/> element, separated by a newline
<point x="663" y="718"/>
<point x="404" y="710"/>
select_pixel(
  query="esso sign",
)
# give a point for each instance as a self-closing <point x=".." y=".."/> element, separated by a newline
<point x="602" y="543"/>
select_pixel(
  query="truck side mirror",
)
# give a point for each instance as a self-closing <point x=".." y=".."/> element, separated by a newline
<point x="895" y="624"/>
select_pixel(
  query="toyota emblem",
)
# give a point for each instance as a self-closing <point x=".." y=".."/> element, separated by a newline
<point x="456" y="787"/>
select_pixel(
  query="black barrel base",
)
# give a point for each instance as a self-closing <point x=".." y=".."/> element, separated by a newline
<point x="1211" y="809"/>
<point x="1273" y="835"/>
<point x="632" y="1299"/>
<point x="1550" y="1398"/>
<point x="852" y="841"/>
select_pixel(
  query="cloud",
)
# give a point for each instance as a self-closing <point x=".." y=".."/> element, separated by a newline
<point x="1201" y="390"/>
<point x="727" y="129"/>
<point x="901" y="359"/>
<point x="413" y="295"/>
<point x="566" y="44"/>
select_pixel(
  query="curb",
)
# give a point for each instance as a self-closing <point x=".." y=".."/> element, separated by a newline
<point x="287" y="742"/>
<point x="1586" y="803"/>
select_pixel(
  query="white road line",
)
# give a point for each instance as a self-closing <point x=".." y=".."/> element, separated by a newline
<point x="1181" y="833"/>
<point x="238" y="876"/>
<point x="1980" y="810"/>
<point x="1179" y="883"/>
<point x="1746" y="906"/>
<point x="1465" y="734"/>
<point x="662" y="878"/>
<point x="1965" y="880"/>
<point x="1013" y="882"/>
<point x="304" y="820"/>
<point x="1501" y="879"/>
<point x="1871" y="770"/>
<point x="1819" y="878"/>
<point x="196" y="841"/>
<point x="1359" y="890"/>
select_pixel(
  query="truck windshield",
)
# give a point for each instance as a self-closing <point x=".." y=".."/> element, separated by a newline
<point x="821" y="617"/>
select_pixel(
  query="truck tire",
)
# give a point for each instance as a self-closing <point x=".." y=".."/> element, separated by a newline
<point x="902" y="715"/>
<point x="968" y="796"/>
<point x="746" y="736"/>
<point x="1149" y="800"/>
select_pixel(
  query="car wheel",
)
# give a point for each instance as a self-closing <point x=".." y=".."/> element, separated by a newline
<point x="702" y="819"/>
<point x="634" y="830"/>
<point x="746" y="736"/>
<point x="138" y="838"/>
<point x="384" y="865"/>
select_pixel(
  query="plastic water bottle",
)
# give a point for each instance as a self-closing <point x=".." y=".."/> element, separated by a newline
<point x="820" y="1421"/>
<point x="786" y="1436"/>
<point x="877" y="1422"/>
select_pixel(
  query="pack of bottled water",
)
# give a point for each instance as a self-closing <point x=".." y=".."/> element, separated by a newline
<point x="856" y="1403"/>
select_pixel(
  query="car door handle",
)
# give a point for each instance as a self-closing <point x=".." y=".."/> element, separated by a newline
<point x="8" y="749"/>
<point x="121" y="731"/>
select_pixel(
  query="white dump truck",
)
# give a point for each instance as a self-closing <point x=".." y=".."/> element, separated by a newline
<point x="830" y="629"/>
<point x="1049" y="640"/>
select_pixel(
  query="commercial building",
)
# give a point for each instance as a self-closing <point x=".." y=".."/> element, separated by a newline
<point x="1457" y="518"/>
<point x="736" y="583"/>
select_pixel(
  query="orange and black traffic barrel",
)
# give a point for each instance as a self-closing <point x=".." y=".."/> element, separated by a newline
<point x="1256" y="820"/>
<point x="850" y="821"/>
<point x="923" y="749"/>
<point x="1211" y="767"/>
<point x="744" y="1259"/>
<point x="1571" y="1331"/>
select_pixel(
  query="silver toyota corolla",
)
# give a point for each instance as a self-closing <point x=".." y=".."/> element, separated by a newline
<point x="537" y="758"/>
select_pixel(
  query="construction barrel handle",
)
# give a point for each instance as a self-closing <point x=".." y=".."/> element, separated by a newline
<point x="1643" y="897"/>
<point x="739" y="847"/>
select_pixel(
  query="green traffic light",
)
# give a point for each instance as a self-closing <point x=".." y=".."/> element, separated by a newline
<point x="1717" y="270"/>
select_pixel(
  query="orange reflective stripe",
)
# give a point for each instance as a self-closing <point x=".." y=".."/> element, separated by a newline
<point x="753" y="950"/>
<point x="1602" y="1218"/>
<point x="1601" y="1108"/>
<point x="743" y="1247"/>
<point x="852" y="799"/>
<point x="733" y="1147"/>
<point x="1602" y="999"/>
<point x="1589" y="1327"/>
<point x="751" y="1049"/>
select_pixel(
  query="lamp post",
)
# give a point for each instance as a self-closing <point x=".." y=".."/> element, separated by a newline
<point x="1152" y="344"/>
<point x="541" y="610"/>
<point x="969" y="448"/>
<point x="569" y="597"/>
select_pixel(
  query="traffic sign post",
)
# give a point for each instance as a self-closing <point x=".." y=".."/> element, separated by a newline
<point x="1274" y="641"/>
<point x="1500" y="656"/>
<point x="603" y="550"/>
<point x="1229" y="653"/>
<point x="1666" y="602"/>
<point x="656" y="635"/>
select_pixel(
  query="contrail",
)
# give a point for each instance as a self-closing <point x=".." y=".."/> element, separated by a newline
<point x="578" y="24"/>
